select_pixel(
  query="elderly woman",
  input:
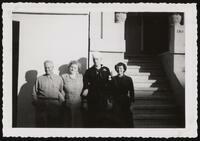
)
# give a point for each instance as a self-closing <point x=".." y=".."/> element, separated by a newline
<point x="73" y="84"/>
<point x="123" y="96"/>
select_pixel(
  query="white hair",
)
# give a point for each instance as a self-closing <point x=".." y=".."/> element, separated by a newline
<point x="96" y="55"/>
<point x="48" y="61"/>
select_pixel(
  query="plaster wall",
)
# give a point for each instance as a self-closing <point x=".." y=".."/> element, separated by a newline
<point x="60" y="38"/>
<point x="105" y="34"/>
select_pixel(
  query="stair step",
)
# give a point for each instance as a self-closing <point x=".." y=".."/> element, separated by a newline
<point x="151" y="92"/>
<point x="154" y="102"/>
<point x="144" y="74"/>
<point x="151" y="89"/>
<point x="131" y="56"/>
<point x="127" y="61"/>
<point x="143" y="60"/>
<point x="154" y="116"/>
<point x="144" y="64"/>
<point x="133" y="67"/>
<point x="150" y="70"/>
<point x="137" y="71"/>
<point x="154" y="107"/>
<point x="152" y="81"/>
<point x="140" y="68"/>
<point x="143" y="78"/>
<point x="140" y="74"/>
<point x="154" y="111"/>
<point x="153" y="97"/>
<point x="154" y="124"/>
<point x="150" y="84"/>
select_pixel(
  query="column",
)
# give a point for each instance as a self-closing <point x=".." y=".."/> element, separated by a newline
<point x="177" y="34"/>
<point x="177" y="46"/>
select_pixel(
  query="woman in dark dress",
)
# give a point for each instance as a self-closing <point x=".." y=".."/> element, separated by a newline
<point x="123" y="97"/>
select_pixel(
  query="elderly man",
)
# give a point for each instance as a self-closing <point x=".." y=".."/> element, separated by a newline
<point x="47" y="97"/>
<point x="96" y="91"/>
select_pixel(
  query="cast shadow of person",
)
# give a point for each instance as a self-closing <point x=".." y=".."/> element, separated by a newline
<point x="83" y="66"/>
<point x="83" y="62"/>
<point x="25" y="109"/>
<point x="63" y="69"/>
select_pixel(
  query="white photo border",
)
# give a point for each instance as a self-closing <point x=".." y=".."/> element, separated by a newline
<point x="190" y="13"/>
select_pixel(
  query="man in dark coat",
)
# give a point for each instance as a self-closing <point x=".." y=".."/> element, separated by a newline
<point x="96" y="91"/>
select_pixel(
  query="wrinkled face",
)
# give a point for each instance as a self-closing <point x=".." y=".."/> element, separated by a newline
<point x="73" y="68"/>
<point x="97" y="61"/>
<point x="48" y="67"/>
<point x="120" y="70"/>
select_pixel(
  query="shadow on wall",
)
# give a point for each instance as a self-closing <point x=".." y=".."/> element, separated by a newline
<point x="83" y="62"/>
<point x="26" y="111"/>
<point x="64" y="68"/>
<point x="177" y="88"/>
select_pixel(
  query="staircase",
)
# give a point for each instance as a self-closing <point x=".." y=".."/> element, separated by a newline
<point x="154" y="106"/>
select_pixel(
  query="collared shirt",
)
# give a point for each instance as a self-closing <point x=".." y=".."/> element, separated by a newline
<point x="48" y="86"/>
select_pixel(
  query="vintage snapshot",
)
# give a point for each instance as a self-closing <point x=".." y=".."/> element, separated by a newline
<point x="99" y="70"/>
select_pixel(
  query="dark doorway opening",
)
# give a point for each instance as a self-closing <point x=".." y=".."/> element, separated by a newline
<point x="156" y="31"/>
<point x="15" y="60"/>
<point x="147" y="33"/>
<point x="133" y="33"/>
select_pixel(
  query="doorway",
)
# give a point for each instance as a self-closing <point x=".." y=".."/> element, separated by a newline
<point x="15" y="59"/>
<point x="147" y="33"/>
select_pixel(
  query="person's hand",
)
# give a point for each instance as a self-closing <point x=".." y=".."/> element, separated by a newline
<point x="112" y="73"/>
<point x="109" y="104"/>
<point x="85" y="93"/>
<point x="61" y="97"/>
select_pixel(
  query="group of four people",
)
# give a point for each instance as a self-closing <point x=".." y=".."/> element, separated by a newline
<point x="95" y="99"/>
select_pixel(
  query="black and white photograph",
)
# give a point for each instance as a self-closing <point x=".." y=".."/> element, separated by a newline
<point x="103" y="70"/>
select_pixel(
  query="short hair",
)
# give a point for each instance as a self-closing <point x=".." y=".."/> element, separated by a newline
<point x="96" y="55"/>
<point x="120" y="64"/>
<point x="74" y="62"/>
<point x="48" y="61"/>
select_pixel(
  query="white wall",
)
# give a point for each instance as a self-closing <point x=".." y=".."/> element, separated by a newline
<point x="106" y="35"/>
<point x="177" y="48"/>
<point x="179" y="68"/>
<point x="177" y="39"/>
<point x="60" y="38"/>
